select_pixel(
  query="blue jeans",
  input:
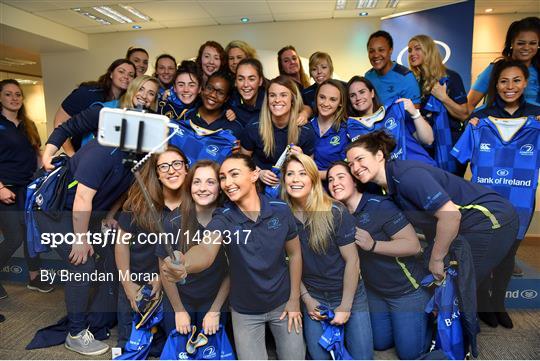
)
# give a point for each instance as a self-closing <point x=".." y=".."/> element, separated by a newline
<point x="400" y="322"/>
<point x="358" y="336"/>
<point x="77" y="293"/>
<point x="14" y="230"/>
<point x="125" y="317"/>
<point x="250" y="336"/>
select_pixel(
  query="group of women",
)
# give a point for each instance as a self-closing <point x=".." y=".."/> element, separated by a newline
<point x="277" y="260"/>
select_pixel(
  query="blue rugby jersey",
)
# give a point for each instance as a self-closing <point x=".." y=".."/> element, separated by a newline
<point x="441" y="130"/>
<point x="393" y="119"/>
<point x="173" y="110"/>
<point x="199" y="143"/>
<point x="504" y="157"/>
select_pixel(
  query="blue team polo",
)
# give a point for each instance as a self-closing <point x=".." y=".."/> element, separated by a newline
<point x="325" y="272"/>
<point x="101" y="168"/>
<point x="258" y="269"/>
<point x="245" y="113"/>
<point x="389" y="276"/>
<point x="18" y="158"/>
<point x="200" y="288"/>
<point x="330" y="146"/>
<point x="421" y="190"/>
<point x="251" y="140"/>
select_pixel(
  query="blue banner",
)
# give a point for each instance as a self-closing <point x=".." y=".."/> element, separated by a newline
<point x="450" y="26"/>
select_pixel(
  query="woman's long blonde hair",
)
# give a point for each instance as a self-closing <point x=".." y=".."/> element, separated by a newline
<point x="319" y="218"/>
<point x="432" y="69"/>
<point x="266" y="129"/>
<point x="126" y="101"/>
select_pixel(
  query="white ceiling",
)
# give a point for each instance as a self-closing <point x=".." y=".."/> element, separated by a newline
<point x="185" y="13"/>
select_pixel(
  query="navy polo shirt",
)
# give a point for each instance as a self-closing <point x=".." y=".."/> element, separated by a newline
<point x="251" y="140"/>
<point x="221" y="123"/>
<point x="390" y="276"/>
<point x="80" y="124"/>
<point x="399" y="82"/>
<point x="245" y="113"/>
<point x="259" y="273"/>
<point x="325" y="272"/>
<point x="203" y="287"/>
<point x="80" y="99"/>
<point x="142" y="258"/>
<point x="497" y="110"/>
<point x="456" y="91"/>
<point x="308" y="96"/>
<point x="329" y="147"/>
<point x="420" y="190"/>
<point x="18" y="159"/>
<point x="101" y="168"/>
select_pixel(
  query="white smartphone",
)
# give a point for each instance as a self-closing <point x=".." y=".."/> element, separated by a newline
<point x="132" y="130"/>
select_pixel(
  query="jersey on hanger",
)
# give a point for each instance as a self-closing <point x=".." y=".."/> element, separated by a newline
<point x="504" y="157"/>
<point x="199" y="143"/>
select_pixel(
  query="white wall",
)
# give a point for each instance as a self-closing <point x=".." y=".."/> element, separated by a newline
<point x="344" y="39"/>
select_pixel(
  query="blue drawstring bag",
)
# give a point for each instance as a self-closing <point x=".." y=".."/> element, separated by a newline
<point x="46" y="196"/>
<point x="446" y="303"/>
<point x="333" y="336"/>
<point x="218" y="347"/>
<point x="273" y="191"/>
<point x="175" y="347"/>
<point x="144" y="325"/>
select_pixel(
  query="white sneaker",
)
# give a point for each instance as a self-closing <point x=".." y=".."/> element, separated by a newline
<point x="85" y="344"/>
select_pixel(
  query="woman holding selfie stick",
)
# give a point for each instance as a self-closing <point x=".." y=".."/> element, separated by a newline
<point x="258" y="234"/>
<point x="163" y="175"/>
<point x="141" y="92"/>
<point x="201" y="299"/>
<point x="97" y="180"/>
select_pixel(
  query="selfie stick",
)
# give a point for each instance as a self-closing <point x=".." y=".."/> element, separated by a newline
<point x="135" y="170"/>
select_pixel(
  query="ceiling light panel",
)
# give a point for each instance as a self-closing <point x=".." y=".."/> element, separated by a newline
<point x="113" y="14"/>
<point x="16" y="62"/>
<point x="91" y="16"/>
<point x="366" y="4"/>
<point x="107" y="15"/>
<point x="341" y="4"/>
<point x="136" y="12"/>
<point x="392" y="3"/>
